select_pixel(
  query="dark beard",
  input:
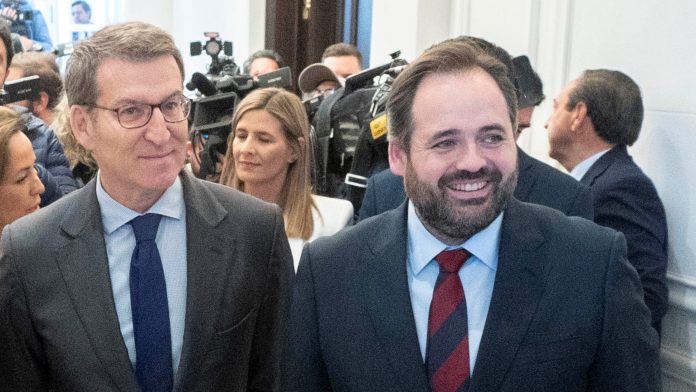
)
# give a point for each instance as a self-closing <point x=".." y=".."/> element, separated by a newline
<point x="449" y="219"/>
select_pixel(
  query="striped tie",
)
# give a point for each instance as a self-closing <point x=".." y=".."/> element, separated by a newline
<point x="447" y="350"/>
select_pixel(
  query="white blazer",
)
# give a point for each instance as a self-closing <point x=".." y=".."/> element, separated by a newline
<point x="333" y="215"/>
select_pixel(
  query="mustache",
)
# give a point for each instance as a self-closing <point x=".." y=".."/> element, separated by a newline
<point x="485" y="173"/>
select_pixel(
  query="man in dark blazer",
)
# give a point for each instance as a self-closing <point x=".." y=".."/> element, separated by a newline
<point x="537" y="183"/>
<point x="68" y="309"/>
<point x="595" y="118"/>
<point x="542" y="302"/>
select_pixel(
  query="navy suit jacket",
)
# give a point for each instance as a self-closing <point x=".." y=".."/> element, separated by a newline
<point x="537" y="183"/>
<point x="626" y="200"/>
<point x="566" y="312"/>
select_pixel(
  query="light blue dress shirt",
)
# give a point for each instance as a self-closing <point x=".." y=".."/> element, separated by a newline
<point x="581" y="168"/>
<point x="171" y="243"/>
<point x="477" y="276"/>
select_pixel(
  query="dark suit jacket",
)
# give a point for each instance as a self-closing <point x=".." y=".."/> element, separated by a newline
<point x="626" y="200"/>
<point x="566" y="312"/>
<point x="56" y="296"/>
<point x="537" y="183"/>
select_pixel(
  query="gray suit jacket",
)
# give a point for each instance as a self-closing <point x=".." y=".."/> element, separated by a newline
<point x="566" y="312"/>
<point x="58" y="319"/>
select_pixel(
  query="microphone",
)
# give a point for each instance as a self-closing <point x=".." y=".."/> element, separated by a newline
<point x="17" y="43"/>
<point x="202" y="83"/>
<point x="64" y="49"/>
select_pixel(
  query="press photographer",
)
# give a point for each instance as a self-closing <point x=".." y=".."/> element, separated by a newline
<point x="28" y="23"/>
<point x="351" y="131"/>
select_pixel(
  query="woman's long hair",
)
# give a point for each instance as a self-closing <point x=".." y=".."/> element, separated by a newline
<point x="296" y="195"/>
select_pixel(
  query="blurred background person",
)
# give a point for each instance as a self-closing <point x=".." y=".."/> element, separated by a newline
<point x="343" y="59"/>
<point x="318" y="79"/>
<point x="262" y="62"/>
<point x="81" y="12"/>
<point x="82" y="163"/>
<point x="82" y="20"/>
<point x="29" y="23"/>
<point x="268" y="156"/>
<point x="50" y="84"/>
<point x="20" y="186"/>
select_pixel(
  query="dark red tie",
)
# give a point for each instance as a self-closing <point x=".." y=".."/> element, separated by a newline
<point x="447" y="350"/>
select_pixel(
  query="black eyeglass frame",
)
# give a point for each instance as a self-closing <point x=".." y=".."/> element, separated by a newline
<point x="186" y="102"/>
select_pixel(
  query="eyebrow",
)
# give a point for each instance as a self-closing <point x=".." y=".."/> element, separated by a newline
<point x="129" y="101"/>
<point x="454" y="132"/>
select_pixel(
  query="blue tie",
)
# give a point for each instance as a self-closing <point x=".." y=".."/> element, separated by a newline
<point x="153" y="343"/>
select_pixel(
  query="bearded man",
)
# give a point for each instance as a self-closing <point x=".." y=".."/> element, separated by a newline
<point x="463" y="287"/>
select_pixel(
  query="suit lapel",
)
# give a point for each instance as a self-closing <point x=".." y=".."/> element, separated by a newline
<point x="525" y="180"/>
<point x="205" y="276"/>
<point x="388" y="300"/>
<point x="519" y="285"/>
<point x="84" y="266"/>
<point x="603" y="163"/>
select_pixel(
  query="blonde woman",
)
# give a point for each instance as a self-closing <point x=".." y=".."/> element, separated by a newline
<point x="268" y="156"/>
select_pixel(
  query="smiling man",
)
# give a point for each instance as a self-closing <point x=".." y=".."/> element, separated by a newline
<point x="464" y="288"/>
<point x="146" y="279"/>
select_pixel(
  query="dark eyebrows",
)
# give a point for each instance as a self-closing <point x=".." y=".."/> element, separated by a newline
<point x="492" y="127"/>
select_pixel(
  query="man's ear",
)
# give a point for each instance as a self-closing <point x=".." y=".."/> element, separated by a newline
<point x="579" y="116"/>
<point x="398" y="159"/>
<point x="41" y="103"/>
<point x="81" y="125"/>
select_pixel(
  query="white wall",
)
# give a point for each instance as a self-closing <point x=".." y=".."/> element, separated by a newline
<point x="239" y="21"/>
<point x="649" y="40"/>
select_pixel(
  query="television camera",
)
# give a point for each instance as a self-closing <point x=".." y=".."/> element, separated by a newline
<point x="351" y="132"/>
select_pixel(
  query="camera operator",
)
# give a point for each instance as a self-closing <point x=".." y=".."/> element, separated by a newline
<point x="262" y="62"/>
<point x="28" y="23"/>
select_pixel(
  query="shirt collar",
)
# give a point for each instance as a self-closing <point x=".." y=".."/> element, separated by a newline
<point x="423" y="246"/>
<point x="581" y="168"/>
<point x="115" y="214"/>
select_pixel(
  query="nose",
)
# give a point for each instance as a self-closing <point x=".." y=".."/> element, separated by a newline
<point x="246" y="146"/>
<point x="470" y="158"/>
<point x="37" y="187"/>
<point x="157" y="131"/>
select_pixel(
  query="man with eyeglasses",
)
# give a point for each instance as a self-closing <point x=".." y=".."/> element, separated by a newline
<point x="146" y="279"/>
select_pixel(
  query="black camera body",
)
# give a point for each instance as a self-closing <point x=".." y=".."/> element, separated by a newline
<point x="20" y="90"/>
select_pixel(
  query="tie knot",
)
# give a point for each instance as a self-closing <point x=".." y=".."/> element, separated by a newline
<point x="452" y="260"/>
<point x="145" y="227"/>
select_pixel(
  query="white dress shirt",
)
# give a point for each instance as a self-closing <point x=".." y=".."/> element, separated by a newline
<point x="477" y="276"/>
<point x="171" y="244"/>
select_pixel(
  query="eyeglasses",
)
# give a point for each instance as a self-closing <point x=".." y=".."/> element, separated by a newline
<point x="136" y="115"/>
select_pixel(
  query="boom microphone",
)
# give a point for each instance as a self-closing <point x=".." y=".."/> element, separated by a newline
<point x="202" y="83"/>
